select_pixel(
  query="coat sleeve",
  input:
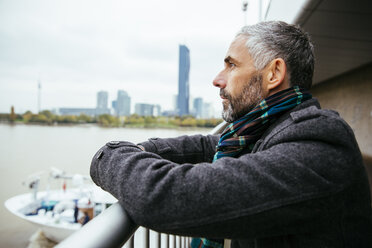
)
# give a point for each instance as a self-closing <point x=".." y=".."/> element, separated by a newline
<point x="292" y="180"/>
<point x="184" y="149"/>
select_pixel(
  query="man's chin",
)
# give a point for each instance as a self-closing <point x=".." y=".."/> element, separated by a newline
<point x="227" y="120"/>
<point x="228" y="116"/>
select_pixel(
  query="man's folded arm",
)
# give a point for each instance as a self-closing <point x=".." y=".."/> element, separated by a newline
<point x="241" y="196"/>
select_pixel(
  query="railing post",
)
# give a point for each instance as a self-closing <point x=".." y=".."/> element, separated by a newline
<point x="146" y="238"/>
<point x="131" y="242"/>
<point x="174" y="241"/>
<point x="158" y="244"/>
<point x="167" y="241"/>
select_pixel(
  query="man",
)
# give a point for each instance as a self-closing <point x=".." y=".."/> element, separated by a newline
<point x="284" y="173"/>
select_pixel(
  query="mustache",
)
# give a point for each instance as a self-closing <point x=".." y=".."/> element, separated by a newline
<point x="224" y="94"/>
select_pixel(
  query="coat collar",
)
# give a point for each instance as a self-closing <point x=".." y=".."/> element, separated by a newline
<point x="284" y="121"/>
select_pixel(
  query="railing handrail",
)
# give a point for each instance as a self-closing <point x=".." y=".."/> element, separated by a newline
<point x="110" y="229"/>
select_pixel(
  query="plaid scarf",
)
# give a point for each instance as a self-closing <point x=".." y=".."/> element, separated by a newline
<point x="242" y="134"/>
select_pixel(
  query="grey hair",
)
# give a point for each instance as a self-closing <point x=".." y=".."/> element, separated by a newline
<point x="276" y="39"/>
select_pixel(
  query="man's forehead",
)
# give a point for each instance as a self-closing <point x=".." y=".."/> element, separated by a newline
<point x="237" y="47"/>
<point x="239" y="40"/>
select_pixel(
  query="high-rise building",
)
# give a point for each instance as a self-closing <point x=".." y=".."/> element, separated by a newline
<point x="175" y="103"/>
<point x="208" y="111"/>
<point x="156" y="110"/>
<point x="102" y="100"/>
<point x="198" y="107"/>
<point x="122" y="107"/>
<point x="183" y="81"/>
<point x="102" y="103"/>
<point x="143" y="109"/>
<point x="76" y="111"/>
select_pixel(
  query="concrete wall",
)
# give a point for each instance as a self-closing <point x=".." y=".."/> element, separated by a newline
<point x="351" y="95"/>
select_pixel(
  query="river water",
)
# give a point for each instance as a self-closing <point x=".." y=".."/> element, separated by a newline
<point x="28" y="149"/>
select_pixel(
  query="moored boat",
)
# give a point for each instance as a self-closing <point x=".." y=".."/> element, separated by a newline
<point x="59" y="213"/>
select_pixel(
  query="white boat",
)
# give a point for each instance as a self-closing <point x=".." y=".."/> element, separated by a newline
<point x="58" y="213"/>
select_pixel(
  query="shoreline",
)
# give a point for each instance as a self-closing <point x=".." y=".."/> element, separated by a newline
<point x="89" y="125"/>
<point x="100" y="126"/>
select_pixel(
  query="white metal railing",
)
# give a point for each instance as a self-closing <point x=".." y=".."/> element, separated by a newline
<point x="113" y="228"/>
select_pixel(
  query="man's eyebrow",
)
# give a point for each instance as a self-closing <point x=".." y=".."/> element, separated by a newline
<point x="228" y="59"/>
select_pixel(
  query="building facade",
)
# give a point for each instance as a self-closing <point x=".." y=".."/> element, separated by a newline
<point x="183" y="81"/>
<point x="102" y="103"/>
<point x="76" y="111"/>
<point x="122" y="106"/>
<point x="198" y="107"/>
<point x="144" y="109"/>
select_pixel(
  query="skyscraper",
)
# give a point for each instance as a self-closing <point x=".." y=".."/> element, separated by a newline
<point x="198" y="107"/>
<point x="102" y="103"/>
<point x="207" y="110"/>
<point x="102" y="100"/>
<point x="144" y="109"/>
<point x="183" y="81"/>
<point x="122" y="107"/>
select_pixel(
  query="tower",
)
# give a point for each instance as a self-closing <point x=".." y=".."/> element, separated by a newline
<point x="123" y="104"/>
<point x="183" y="81"/>
<point x="102" y="103"/>
<point x="198" y="107"/>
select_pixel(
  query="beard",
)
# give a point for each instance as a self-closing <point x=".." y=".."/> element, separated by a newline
<point x="250" y="96"/>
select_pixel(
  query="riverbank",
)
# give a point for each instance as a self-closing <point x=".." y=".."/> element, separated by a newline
<point x="106" y="120"/>
<point x="87" y="125"/>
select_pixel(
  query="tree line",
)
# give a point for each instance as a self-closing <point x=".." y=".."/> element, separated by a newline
<point x="46" y="117"/>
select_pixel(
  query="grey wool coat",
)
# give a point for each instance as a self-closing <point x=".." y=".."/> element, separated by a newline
<point x="304" y="185"/>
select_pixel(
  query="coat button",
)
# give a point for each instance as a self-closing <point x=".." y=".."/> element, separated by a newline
<point x="99" y="154"/>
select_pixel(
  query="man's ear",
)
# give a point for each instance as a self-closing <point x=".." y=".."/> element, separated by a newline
<point x="276" y="75"/>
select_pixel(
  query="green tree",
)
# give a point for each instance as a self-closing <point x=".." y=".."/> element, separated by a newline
<point x="107" y="120"/>
<point x="188" y="122"/>
<point x="4" y="117"/>
<point x="40" y="118"/>
<point x="134" y="120"/>
<point x="67" y="119"/>
<point x="27" y="116"/>
<point x="150" y="121"/>
<point x="83" y="118"/>
<point x="47" y="114"/>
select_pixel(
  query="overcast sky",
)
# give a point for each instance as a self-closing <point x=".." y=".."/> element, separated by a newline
<point x="77" y="48"/>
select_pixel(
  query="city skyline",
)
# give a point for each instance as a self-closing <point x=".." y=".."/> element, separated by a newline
<point x="198" y="108"/>
<point x="121" y="106"/>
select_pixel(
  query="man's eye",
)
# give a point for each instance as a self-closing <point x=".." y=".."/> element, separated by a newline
<point x="231" y="64"/>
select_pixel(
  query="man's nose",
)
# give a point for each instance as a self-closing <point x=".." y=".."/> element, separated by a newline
<point x="219" y="81"/>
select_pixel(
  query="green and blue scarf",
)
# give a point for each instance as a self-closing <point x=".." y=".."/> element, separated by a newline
<point x="242" y="134"/>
